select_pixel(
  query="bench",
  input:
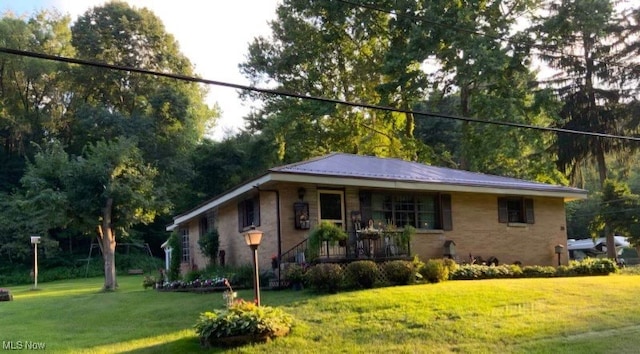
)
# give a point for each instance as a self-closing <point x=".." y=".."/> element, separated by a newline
<point x="135" y="271"/>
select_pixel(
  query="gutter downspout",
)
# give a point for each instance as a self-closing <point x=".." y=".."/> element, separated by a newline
<point x="278" y="228"/>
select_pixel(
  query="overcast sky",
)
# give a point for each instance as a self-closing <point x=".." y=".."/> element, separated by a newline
<point x="213" y="34"/>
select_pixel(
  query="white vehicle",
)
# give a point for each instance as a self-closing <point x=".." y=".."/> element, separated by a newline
<point x="588" y="247"/>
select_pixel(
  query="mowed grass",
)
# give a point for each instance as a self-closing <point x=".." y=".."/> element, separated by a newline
<point x="570" y="315"/>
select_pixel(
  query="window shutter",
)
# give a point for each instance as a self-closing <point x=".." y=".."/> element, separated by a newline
<point x="503" y="211"/>
<point x="365" y="207"/>
<point x="528" y="211"/>
<point x="446" y="219"/>
<point x="256" y="211"/>
<point x="240" y="216"/>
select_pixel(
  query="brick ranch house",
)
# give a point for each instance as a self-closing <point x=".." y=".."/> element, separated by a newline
<point x="483" y="215"/>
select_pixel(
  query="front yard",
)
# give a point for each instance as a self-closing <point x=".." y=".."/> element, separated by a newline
<point x="594" y="314"/>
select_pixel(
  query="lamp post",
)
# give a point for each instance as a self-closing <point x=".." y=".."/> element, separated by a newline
<point x="35" y="240"/>
<point x="559" y="249"/>
<point x="253" y="238"/>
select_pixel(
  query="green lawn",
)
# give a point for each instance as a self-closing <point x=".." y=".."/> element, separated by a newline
<point x="571" y="315"/>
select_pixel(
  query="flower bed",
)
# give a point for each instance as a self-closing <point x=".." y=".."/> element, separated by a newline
<point x="241" y="323"/>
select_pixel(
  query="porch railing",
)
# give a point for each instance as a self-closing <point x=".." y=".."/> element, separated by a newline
<point x="374" y="247"/>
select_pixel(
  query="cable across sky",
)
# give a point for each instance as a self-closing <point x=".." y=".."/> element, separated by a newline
<point x="276" y="92"/>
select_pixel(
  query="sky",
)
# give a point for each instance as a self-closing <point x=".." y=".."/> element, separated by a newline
<point x="213" y="34"/>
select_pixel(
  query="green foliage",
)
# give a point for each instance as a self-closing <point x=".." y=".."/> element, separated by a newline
<point x="434" y="271"/>
<point x="209" y="244"/>
<point x="362" y="274"/>
<point x="295" y="273"/>
<point x="538" y="271"/>
<point x="399" y="272"/>
<point x="257" y="323"/>
<point x="325" y="231"/>
<point x="594" y="266"/>
<point x="148" y="282"/>
<point x="325" y="277"/>
<point x="175" y="243"/>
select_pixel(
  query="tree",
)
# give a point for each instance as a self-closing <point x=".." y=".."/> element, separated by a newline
<point x="108" y="189"/>
<point x="167" y="117"/>
<point x="331" y="49"/>
<point x="581" y="40"/>
<point x="618" y="214"/>
<point x="32" y="91"/>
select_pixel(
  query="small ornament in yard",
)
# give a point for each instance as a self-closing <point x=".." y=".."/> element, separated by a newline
<point x="229" y="295"/>
<point x="5" y="295"/>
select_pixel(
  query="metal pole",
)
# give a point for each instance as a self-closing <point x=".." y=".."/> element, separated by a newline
<point x="35" y="266"/>
<point x="256" y="277"/>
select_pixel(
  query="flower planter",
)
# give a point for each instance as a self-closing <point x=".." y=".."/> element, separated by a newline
<point x="234" y="341"/>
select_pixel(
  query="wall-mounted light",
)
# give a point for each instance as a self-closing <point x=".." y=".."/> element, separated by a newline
<point x="301" y="193"/>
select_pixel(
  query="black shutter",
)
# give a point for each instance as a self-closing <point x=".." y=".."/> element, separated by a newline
<point x="503" y="210"/>
<point x="241" y="216"/>
<point x="365" y="207"/>
<point x="256" y="211"/>
<point x="446" y="220"/>
<point x="528" y="211"/>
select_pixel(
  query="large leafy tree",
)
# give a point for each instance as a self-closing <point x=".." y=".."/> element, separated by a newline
<point x="330" y="49"/>
<point x="32" y="91"/>
<point x="483" y="72"/>
<point x="108" y="189"/>
<point x="167" y="117"/>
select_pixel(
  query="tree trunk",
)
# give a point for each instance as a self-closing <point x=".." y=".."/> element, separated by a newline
<point x="108" y="240"/>
<point x="611" y="244"/>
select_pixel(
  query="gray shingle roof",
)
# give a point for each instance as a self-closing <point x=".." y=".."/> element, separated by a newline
<point x="391" y="169"/>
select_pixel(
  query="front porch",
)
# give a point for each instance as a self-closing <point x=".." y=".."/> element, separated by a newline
<point x="378" y="247"/>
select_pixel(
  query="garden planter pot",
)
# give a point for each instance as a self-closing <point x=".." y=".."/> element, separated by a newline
<point x="234" y="341"/>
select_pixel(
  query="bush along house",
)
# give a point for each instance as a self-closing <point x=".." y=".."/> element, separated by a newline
<point x="389" y="209"/>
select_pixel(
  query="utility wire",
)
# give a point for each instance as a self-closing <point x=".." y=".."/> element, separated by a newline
<point x="276" y="92"/>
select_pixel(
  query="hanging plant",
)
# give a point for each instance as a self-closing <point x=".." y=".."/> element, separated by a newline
<point x="326" y="231"/>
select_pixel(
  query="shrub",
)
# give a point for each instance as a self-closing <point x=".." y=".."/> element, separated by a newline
<point x="470" y="272"/>
<point x="362" y="274"/>
<point x="434" y="271"/>
<point x="538" y="271"/>
<point x="294" y="273"/>
<point x="399" y="272"/>
<point x="594" y="266"/>
<point x="5" y="295"/>
<point x="148" y="282"/>
<point x="325" y="277"/>
<point x="209" y="244"/>
<point x="241" y="323"/>
<point x="193" y="275"/>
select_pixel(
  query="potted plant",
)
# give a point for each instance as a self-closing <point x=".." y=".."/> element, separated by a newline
<point x="407" y="234"/>
<point x="327" y="231"/>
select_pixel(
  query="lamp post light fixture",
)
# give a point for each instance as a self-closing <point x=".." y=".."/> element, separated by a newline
<point x="253" y="238"/>
<point x="559" y="250"/>
<point x="35" y="240"/>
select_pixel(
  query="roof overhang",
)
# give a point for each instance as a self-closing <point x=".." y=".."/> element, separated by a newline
<point x="323" y="180"/>
<point x="426" y="186"/>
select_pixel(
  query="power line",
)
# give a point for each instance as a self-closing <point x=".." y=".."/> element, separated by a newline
<point x="276" y="92"/>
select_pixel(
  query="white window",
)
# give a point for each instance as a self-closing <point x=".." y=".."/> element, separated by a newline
<point x="331" y="206"/>
<point x="185" y="245"/>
